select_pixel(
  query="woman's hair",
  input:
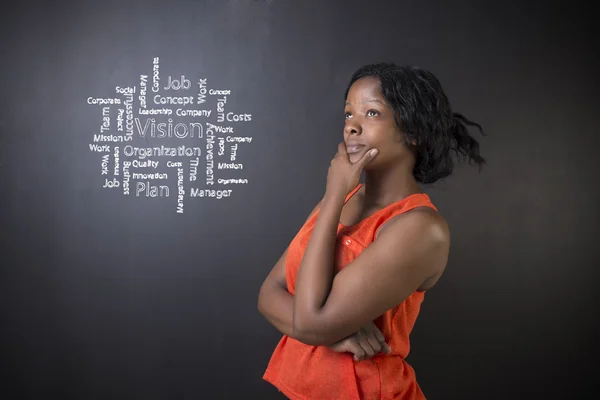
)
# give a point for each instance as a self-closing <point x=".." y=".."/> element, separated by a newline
<point x="423" y="112"/>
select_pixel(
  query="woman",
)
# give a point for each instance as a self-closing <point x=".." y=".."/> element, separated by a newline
<point x="348" y="289"/>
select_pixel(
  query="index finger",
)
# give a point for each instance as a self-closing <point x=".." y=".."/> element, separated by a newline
<point x="342" y="148"/>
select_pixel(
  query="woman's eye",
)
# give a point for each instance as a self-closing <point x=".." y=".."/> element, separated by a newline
<point x="347" y="115"/>
<point x="372" y="113"/>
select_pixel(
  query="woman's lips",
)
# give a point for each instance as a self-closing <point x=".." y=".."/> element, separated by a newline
<point x="354" y="148"/>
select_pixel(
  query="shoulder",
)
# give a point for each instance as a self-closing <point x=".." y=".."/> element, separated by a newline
<point x="423" y="219"/>
<point x="422" y="231"/>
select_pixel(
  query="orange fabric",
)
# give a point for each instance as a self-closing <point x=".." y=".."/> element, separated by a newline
<point x="304" y="372"/>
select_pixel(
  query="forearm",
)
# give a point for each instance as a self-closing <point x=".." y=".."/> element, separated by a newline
<point x="316" y="271"/>
<point x="278" y="309"/>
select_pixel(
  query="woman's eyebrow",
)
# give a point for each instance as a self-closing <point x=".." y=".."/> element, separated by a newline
<point x="369" y="101"/>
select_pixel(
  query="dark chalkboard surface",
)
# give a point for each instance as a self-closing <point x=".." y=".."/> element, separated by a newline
<point x="156" y="158"/>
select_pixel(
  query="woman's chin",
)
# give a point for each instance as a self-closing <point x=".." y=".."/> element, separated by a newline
<point x="354" y="158"/>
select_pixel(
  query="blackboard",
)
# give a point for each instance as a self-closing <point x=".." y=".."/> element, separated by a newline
<point x="134" y="238"/>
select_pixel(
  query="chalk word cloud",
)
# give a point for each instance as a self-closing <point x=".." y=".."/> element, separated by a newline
<point x="170" y="136"/>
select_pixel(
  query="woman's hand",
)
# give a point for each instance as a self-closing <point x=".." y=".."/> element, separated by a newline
<point x="363" y="344"/>
<point x="343" y="176"/>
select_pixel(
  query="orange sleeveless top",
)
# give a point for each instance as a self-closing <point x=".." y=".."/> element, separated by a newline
<point x="305" y="372"/>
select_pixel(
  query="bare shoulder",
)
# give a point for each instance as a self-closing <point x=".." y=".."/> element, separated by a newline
<point x="426" y="220"/>
<point x="435" y="223"/>
<point x="424" y="234"/>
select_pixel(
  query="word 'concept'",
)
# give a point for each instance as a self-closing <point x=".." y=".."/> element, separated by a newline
<point x="170" y="136"/>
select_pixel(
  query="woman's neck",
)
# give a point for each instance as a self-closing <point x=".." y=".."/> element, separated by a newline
<point x="386" y="186"/>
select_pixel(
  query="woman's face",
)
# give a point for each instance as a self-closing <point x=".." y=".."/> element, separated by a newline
<point x="370" y="124"/>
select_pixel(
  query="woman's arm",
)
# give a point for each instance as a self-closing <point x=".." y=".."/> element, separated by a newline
<point x="275" y="303"/>
<point x="316" y="272"/>
<point x="412" y="248"/>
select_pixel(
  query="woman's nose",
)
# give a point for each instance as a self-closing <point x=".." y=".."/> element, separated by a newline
<point x="353" y="129"/>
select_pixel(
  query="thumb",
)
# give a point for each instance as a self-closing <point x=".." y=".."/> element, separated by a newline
<point x="366" y="158"/>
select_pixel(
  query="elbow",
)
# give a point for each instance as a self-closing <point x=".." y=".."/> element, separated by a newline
<point x="312" y="338"/>
<point x="310" y="333"/>
<point x="259" y="307"/>
<point x="260" y="304"/>
<point x="263" y="310"/>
